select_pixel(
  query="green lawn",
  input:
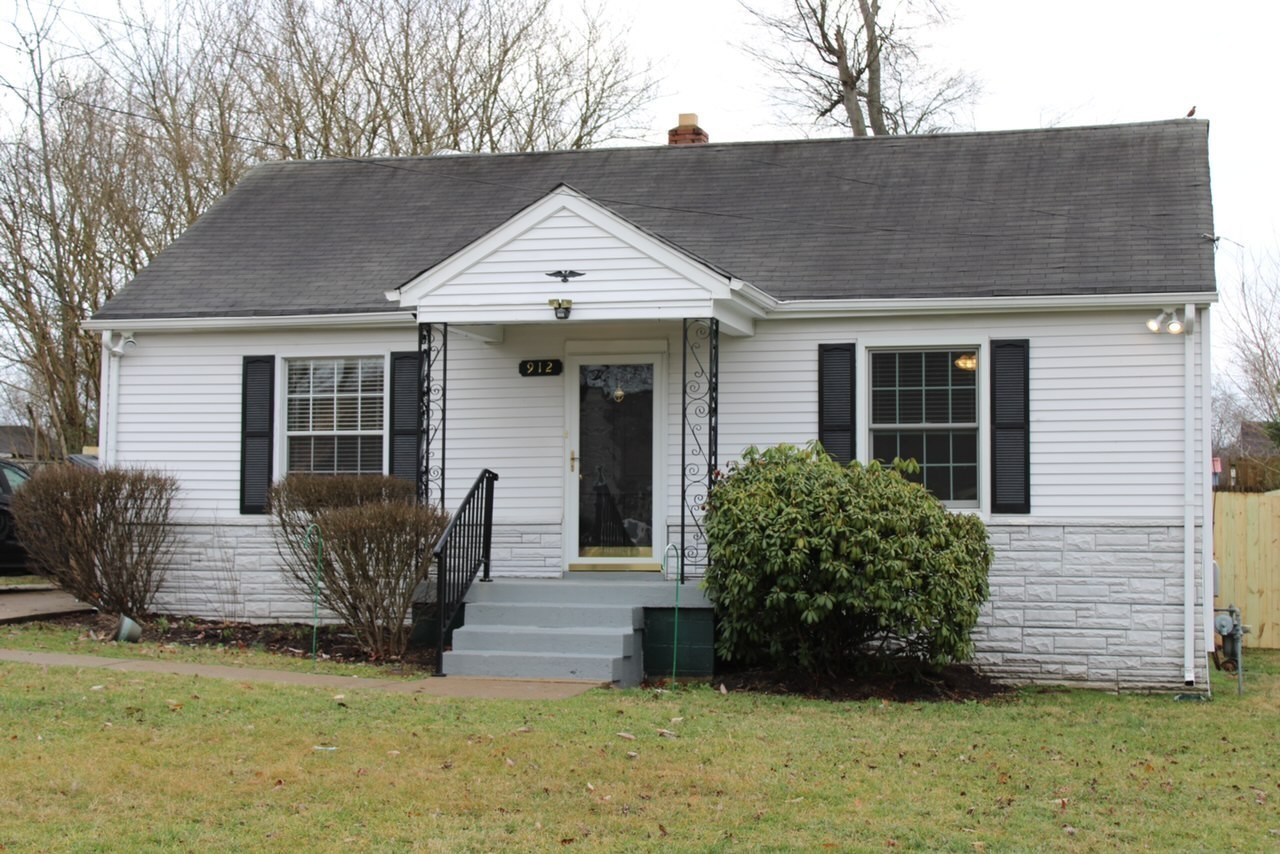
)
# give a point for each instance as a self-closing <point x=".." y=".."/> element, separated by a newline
<point x="95" y="760"/>
<point x="23" y="581"/>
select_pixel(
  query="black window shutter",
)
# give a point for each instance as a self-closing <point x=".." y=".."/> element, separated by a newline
<point x="1010" y="427"/>
<point x="257" y="418"/>
<point x="405" y="389"/>
<point x="836" y="387"/>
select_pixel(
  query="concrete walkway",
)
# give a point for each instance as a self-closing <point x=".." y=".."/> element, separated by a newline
<point x="19" y="605"/>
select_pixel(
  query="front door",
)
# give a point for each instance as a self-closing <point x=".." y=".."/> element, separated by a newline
<point x="613" y="503"/>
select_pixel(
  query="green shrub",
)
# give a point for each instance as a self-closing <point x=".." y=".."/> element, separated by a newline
<point x="374" y="548"/>
<point x="813" y="563"/>
<point x="106" y="537"/>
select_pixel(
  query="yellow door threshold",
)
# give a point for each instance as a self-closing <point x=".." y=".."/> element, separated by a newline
<point x="616" y="567"/>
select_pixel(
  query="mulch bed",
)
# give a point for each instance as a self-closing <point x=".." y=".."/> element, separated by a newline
<point x="333" y="643"/>
<point x="954" y="683"/>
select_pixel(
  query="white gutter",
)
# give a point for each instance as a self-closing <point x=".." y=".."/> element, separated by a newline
<point x="1189" y="499"/>
<point x="756" y="302"/>
<point x="291" y="321"/>
<point x="983" y="305"/>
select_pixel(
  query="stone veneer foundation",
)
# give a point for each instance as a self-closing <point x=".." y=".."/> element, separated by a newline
<point x="1098" y="605"/>
<point x="1088" y="604"/>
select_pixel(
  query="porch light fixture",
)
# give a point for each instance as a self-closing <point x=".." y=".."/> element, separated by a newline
<point x="967" y="362"/>
<point x="562" y="307"/>
<point x="1169" y="321"/>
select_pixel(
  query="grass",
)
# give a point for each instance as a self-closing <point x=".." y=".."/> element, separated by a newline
<point x="52" y="637"/>
<point x="23" y="581"/>
<point x="96" y="760"/>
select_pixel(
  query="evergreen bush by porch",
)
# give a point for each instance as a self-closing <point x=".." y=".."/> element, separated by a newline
<point x="105" y="536"/>
<point x="376" y="548"/>
<point x="813" y="563"/>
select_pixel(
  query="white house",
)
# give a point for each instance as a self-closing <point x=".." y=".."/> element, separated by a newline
<point x="1026" y="313"/>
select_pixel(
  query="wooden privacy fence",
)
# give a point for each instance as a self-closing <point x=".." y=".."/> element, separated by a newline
<point x="1246" y="545"/>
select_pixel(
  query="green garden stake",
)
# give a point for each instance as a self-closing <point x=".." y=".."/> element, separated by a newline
<point x="315" y="587"/>
<point x="675" y="626"/>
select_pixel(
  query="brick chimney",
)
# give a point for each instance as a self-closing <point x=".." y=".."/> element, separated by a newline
<point x="687" y="132"/>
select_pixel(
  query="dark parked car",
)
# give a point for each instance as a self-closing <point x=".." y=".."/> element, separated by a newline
<point x="13" y="557"/>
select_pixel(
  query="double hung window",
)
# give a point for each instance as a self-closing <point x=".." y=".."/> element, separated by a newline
<point x="924" y="406"/>
<point x="334" y="415"/>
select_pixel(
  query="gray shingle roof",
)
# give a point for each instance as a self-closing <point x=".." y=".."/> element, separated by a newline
<point x="1095" y="210"/>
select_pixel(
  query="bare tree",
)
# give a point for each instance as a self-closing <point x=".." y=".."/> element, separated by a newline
<point x="1230" y="413"/>
<point x="857" y="65"/>
<point x="1255" y="342"/>
<point x="124" y="143"/>
<point x="61" y="176"/>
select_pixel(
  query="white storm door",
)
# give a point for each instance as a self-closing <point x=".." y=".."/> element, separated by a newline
<point x="614" y="507"/>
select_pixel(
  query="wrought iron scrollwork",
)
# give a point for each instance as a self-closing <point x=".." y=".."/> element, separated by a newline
<point x="433" y="343"/>
<point x="699" y="438"/>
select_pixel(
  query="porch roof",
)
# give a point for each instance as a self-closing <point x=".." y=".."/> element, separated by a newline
<point x="1109" y="210"/>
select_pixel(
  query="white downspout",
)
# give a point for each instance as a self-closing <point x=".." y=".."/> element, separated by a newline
<point x="1189" y="500"/>
<point x="109" y="398"/>
<point x="104" y="396"/>
<point x="1206" y="491"/>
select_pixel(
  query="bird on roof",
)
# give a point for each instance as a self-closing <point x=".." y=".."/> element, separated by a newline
<point x="1191" y="112"/>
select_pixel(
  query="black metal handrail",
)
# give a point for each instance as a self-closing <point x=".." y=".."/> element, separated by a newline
<point x="461" y="554"/>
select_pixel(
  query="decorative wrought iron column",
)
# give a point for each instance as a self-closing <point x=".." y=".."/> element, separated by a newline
<point x="699" y="436"/>
<point x="433" y="345"/>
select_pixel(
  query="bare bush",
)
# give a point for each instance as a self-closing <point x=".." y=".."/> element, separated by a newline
<point x="106" y="537"/>
<point x="361" y="545"/>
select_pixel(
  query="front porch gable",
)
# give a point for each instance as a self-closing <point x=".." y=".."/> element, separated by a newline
<point x="624" y="273"/>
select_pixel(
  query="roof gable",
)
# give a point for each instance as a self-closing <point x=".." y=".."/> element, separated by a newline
<point x="507" y="276"/>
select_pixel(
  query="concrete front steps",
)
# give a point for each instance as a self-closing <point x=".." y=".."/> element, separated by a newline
<point x="587" y="626"/>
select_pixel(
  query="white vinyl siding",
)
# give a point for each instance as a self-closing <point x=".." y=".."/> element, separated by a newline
<point x="625" y="273"/>
<point x="179" y="404"/>
<point x="1106" y="400"/>
<point x="1106" y="404"/>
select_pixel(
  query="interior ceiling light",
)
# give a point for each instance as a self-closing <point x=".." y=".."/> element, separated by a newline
<point x="967" y="362"/>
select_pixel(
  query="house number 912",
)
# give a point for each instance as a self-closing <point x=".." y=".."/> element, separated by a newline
<point x="541" y="367"/>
